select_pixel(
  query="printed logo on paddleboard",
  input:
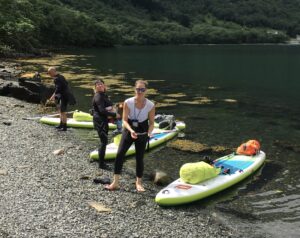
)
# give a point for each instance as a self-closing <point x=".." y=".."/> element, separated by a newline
<point x="183" y="186"/>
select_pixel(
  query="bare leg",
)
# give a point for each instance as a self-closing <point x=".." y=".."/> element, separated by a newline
<point x="63" y="117"/>
<point x="60" y="125"/>
<point x="138" y="185"/>
<point x="63" y="122"/>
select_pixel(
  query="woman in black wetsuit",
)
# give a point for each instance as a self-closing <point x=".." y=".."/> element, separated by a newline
<point x="101" y="111"/>
<point x="138" y="124"/>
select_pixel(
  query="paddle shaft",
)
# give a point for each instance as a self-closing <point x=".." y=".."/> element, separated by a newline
<point x="145" y="133"/>
<point x="49" y="115"/>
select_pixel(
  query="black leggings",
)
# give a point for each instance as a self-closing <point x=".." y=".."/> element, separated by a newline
<point x="140" y="146"/>
<point x="102" y="130"/>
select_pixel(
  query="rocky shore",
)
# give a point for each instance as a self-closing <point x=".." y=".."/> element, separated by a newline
<point x="49" y="195"/>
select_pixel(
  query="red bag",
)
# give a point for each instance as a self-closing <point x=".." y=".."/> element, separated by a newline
<point x="251" y="147"/>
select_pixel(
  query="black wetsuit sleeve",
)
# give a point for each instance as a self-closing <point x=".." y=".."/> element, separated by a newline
<point x="99" y="103"/>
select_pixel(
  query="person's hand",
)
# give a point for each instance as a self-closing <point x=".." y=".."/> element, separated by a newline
<point x="49" y="103"/>
<point x="133" y="135"/>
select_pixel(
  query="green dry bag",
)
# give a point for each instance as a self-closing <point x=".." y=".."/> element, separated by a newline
<point x="194" y="173"/>
<point x="82" y="116"/>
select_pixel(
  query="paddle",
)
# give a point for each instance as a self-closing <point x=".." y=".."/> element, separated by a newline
<point x="155" y="133"/>
<point x="117" y="138"/>
<point x="49" y="115"/>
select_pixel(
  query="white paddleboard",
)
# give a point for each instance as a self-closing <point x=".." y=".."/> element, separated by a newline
<point x="241" y="166"/>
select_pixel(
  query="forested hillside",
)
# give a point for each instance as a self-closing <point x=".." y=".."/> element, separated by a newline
<point x="28" y="25"/>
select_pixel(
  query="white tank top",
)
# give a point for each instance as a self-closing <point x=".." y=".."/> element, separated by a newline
<point x="137" y="114"/>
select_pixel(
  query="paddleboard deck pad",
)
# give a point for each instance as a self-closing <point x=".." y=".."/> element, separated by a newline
<point x="234" y="168"/>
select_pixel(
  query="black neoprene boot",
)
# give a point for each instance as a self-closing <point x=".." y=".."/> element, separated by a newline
<point x="101" y="161"/>
<point x="103" y="165"/>
<point x="60" y="125"/>
<point x="63" y="127"/>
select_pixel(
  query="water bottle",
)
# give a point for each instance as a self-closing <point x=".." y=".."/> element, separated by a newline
<point x="119" y="124"/>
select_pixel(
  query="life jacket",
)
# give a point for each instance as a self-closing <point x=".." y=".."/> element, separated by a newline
<point x="251" y="147"/>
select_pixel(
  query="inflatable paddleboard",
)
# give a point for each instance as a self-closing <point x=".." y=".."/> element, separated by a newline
<point x="159" y="137"/>
<point x="85" y="120"/>
<point x="78" y="120"/>
<point x="54" y="121"/>
<point x="234" y="168"/>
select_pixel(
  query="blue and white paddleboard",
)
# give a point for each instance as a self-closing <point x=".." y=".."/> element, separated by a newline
<point x="238" y="167"/>
<point x="159" y="137"/>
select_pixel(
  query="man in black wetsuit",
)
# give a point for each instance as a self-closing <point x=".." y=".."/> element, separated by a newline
<point x="60" y="96"/>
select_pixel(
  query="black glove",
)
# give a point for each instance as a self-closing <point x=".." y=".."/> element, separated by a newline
<point x="91" y="111"/>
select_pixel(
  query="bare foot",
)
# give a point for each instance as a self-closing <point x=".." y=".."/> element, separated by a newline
<point x="139" y="187"/>
<point x="111" y="187"/>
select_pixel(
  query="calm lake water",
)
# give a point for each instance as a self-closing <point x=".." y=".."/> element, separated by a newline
<point x="254" y="93"/>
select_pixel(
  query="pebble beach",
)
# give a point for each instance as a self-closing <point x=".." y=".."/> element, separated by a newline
<point x="45" y="194"/>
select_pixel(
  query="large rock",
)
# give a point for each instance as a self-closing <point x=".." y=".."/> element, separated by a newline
<point x="28" y="88"/>
<point x="160" y="178"/>
<point x="29" y="91"/>
<point x="44" y="92"/>
<point x="35" y="77"/>
<point x="4" y="74"/>
<point x="9" y="70"/>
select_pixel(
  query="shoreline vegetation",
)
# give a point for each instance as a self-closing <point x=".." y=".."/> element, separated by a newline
<point x="30" y="26"/>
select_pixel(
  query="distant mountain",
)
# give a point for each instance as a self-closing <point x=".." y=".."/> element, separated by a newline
<point x="30" y="24"/>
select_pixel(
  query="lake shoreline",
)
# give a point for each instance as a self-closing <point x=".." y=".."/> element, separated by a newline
<point x="50" y="195"/>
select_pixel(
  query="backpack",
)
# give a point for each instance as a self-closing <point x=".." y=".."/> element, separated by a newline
<point x="251" y="147"/>
<point x="166" y="122"/>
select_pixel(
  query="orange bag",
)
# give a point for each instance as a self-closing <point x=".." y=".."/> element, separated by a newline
<point x="251" y="147"/>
